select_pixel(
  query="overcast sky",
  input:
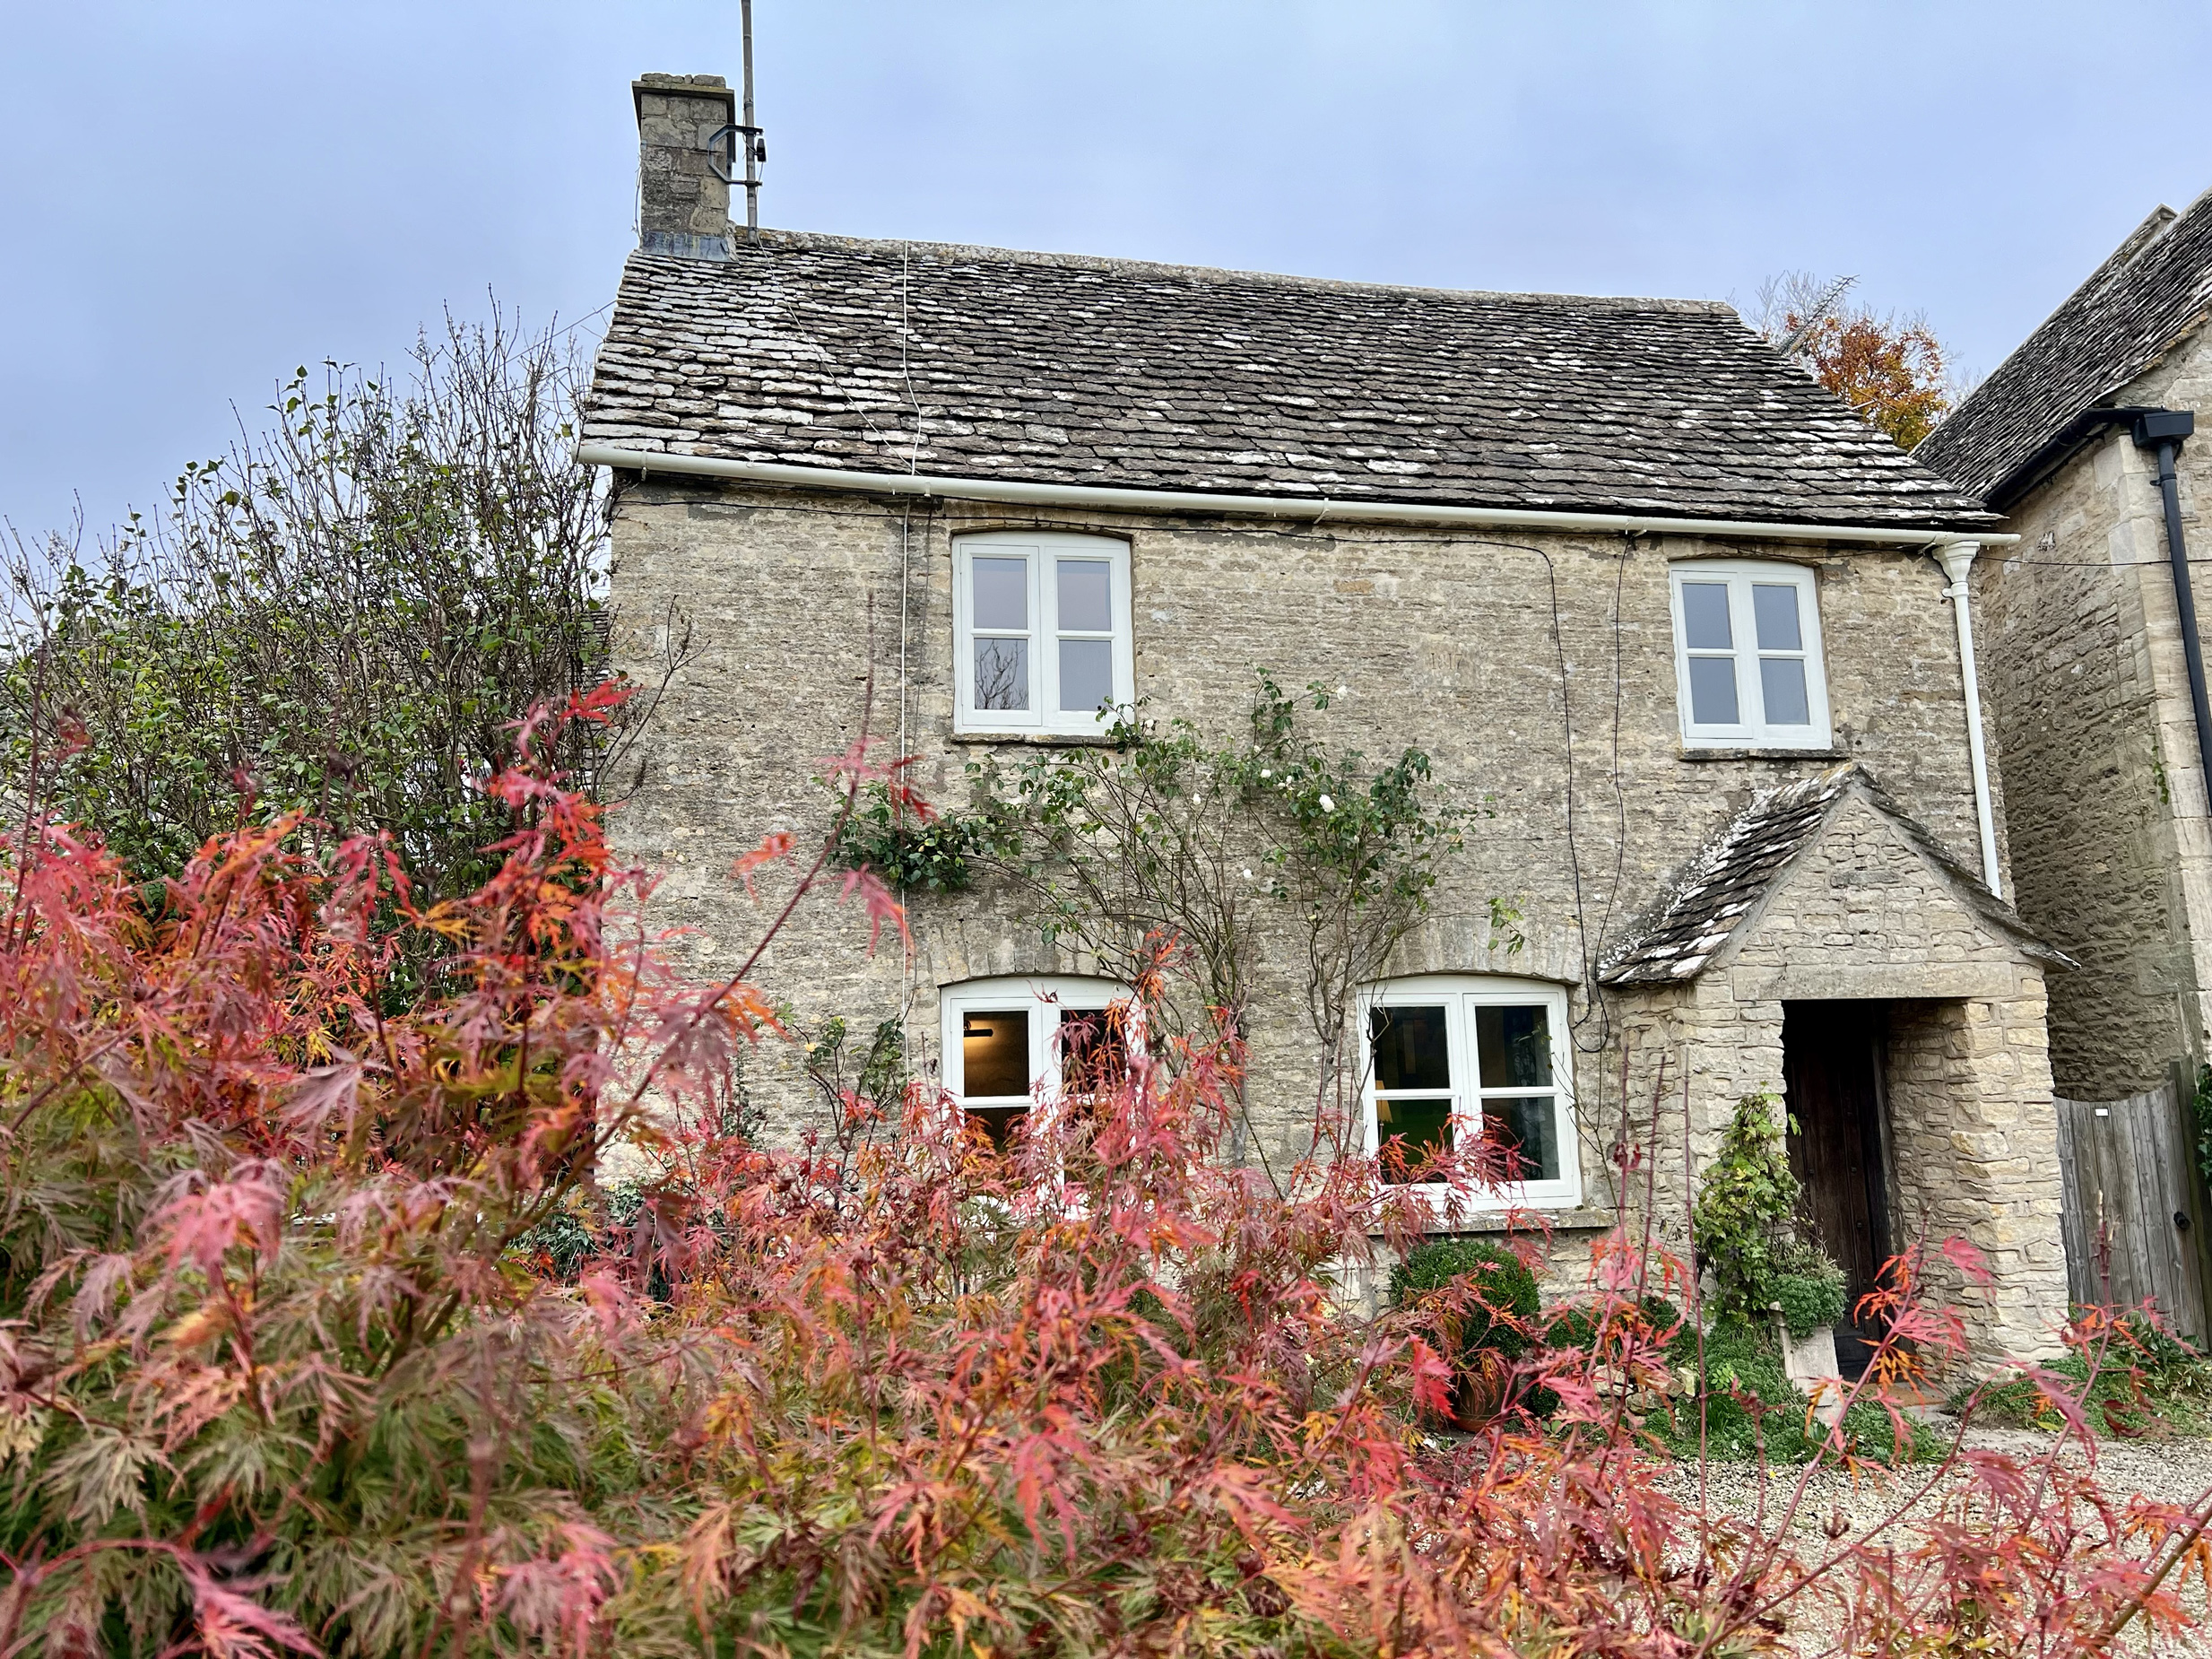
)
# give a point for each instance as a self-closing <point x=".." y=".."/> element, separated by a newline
<point x="196" y="198"/>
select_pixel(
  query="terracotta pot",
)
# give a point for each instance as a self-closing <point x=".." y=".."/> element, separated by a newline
<point x="1478" y="1393"/>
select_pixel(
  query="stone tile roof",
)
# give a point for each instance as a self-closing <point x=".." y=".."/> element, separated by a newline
<point x="1715" y="895"/>
<point x="1065" y="369"/>
<point x="2154" y="289"/>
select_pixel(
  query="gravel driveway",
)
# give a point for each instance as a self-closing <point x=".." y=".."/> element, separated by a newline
<point x="2176" y="1470"/>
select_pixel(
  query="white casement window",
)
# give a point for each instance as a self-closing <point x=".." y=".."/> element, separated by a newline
<point x="1747" y="656"/>
<point x="1041" y="633"/>
<point x="1014" y="1044"/>
<point x="1453" y="1060"/>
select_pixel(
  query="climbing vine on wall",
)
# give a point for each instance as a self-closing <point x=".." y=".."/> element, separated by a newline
<point x="915" y="850"/>
<point x="1166" y="842"/>
<point x="1746" y="1228"/>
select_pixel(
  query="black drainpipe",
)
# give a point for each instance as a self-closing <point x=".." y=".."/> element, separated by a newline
<point x="2163" y="431"/>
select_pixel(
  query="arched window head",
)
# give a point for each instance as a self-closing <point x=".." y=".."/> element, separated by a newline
<point x="1014" y="1043"/>
<point x="1456" y="1059"/>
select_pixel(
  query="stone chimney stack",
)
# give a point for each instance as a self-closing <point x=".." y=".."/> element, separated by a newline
<point x="683" y="204"/>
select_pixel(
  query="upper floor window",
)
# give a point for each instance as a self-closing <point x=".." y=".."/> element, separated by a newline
<point x="1010" y="1045"/>
<point x="1453" y="1060"/>
<point x="1746" y="655"/>
<point x="1041" y="633"/>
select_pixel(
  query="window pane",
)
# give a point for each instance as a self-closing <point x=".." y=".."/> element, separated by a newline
<point x="1001" y="673"/>
<point x="1513" y="1047"/>
<point x="1002" y="592"/>
<point x="998" y="1121"/>
<point x="1408" y="1048"/>
<point x="1529" y="1126"/>
<point x="1704" y="616"/>
<point x="1094" y="1049"/>
<point x="994" y="1053"/>
<point x="1712" y="691"/>
<point x="1086" y="589"/>
<point x="1774" y="607"/>
<point x="1782" y="683"/>
<point x="1085" y="674"/>
<point x="1417" y="1127"/>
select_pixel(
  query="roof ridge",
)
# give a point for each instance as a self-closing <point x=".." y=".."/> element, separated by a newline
<point x="968" y="253"/>
<point x="2111" y="328"/>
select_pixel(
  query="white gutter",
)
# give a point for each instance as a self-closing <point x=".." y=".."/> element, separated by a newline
<point x="1958" y="559"/>
<point x="1313" y="509"/>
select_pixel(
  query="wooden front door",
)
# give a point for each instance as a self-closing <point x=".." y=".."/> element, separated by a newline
<point x="1831" y="1068"/>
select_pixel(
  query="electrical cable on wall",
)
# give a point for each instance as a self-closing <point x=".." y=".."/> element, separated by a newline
<point x="905" y="570"/>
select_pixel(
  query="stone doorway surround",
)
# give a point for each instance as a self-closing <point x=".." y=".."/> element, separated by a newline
<point x="1821" y="892"/>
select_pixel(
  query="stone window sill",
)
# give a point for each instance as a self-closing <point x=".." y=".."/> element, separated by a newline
<point x="1036" y="740"/>
<point x="1584" y="1218"/>
<point x="1687" y="753"/>
<point x="1559" y="1220"/>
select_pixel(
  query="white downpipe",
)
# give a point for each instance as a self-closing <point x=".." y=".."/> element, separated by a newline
<point x="1958" y="559"/>
<point x="1313" y="509"/>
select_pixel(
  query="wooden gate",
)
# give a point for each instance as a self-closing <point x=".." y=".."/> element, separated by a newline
<point x="2133" y="1208"/>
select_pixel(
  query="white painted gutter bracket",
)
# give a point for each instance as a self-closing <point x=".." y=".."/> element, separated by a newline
<point x="1313" y="508"/>
<point x="1958" y="559"/>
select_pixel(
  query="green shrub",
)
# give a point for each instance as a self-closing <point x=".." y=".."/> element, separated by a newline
<point x="1742" y="1357"/>
<point x="1500" y="1284"/>
<point x="1576" y="1327"/>
<point x="1810" y="1297"/>
<point x="2147" y="1383"/>
<point x="1745" y="1227"/>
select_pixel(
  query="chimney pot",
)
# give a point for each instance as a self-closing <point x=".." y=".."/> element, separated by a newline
<point x="683" y="204"/>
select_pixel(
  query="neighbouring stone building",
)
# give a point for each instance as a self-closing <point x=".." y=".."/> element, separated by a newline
<point x="1674" y="626"/>
<point x="2082" y="438"/>
<point x="2112" y="852"/>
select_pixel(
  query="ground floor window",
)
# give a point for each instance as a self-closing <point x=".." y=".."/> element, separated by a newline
<point x="1012" y="1045"/>
<point x="1455" y="1059"/>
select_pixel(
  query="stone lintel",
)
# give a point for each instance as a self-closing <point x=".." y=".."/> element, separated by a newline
<point x="1817" y="981"/>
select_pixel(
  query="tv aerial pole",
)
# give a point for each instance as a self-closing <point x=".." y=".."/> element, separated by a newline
<point x="756" y="146"/>
<point x="744" y="136"/>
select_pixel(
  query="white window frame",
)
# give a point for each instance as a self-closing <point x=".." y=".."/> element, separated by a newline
<point x="1044" y="715"/>
<point x="1752" y="731"/>
<point x="1046" y="996"/>
<point x="1459" y="994"/>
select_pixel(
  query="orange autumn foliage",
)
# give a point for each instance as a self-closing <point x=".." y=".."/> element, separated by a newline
<point x="1892" y="374"/>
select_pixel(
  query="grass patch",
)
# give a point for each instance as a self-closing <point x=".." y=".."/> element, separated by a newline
<point x="1750" y="1405"/>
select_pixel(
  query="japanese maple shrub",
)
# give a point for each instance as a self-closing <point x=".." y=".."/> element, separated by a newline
<point x="287" y="1366"/>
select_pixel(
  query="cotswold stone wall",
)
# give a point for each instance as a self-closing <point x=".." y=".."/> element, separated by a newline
<point x="2111" y="851"/>
<point x="1484" y="651"/>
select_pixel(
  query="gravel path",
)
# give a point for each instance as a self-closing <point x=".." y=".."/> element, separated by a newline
<point x="2176" y="1470"/>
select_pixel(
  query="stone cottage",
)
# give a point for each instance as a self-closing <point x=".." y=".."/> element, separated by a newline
<point x="1692" y="643"/>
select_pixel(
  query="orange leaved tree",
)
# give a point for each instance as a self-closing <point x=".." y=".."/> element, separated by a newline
<point x="1890" y="369"/>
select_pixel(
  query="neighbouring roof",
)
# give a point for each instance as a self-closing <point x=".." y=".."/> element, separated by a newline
<point x="817" y="351"/>
<point x="1716" y="894"/>
<point x="2155" y="288"/>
